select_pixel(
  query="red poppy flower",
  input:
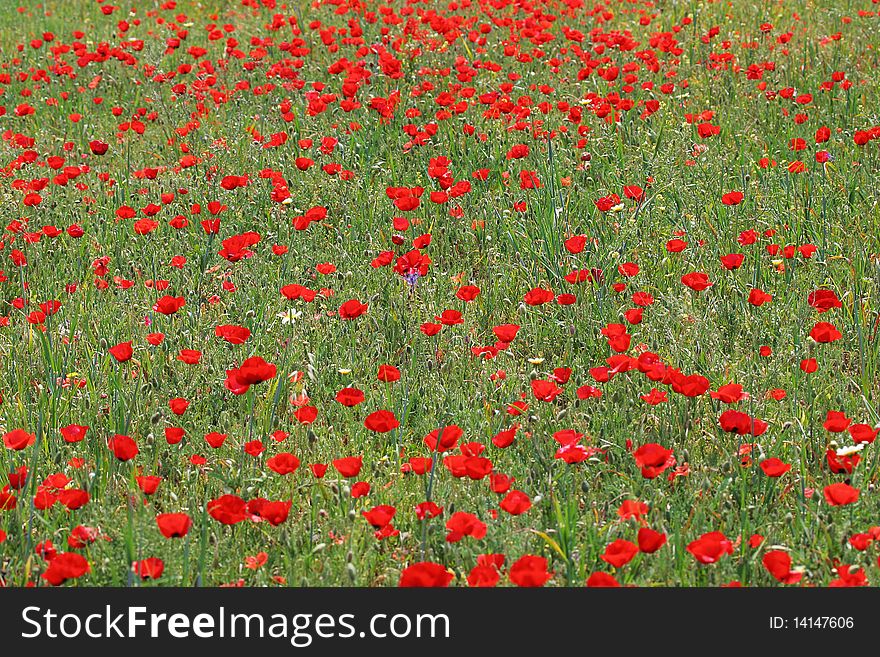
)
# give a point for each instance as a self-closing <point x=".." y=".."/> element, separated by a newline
<point x="252" y="371"/>
<point x="588" y="392"/>
<point x="254" y="448"/>
<point x="350" y="396"/>
<point x="283" y="463"/>
<point x="65" y="566"/>
<point x="619" y="553"/>
<point x="306" y="414"/>
<point x="632" y="509"/>
<point x="7" y="500"/>
<point x="710" y="547"/>
<point x="653" y="459"/>
<point x="255" y="370"/>
<point x="643" y="299"/>
<point x="483" y="576"/>
<point x="122" y="351"/>
<point x="150" y="568"/>
<point x="430" y="328"/>
<point x="233" y="334"/>
<point x="293" y="292"/>
<point x="352" y="309"/>
<point x="227" y="509"/>
<point x="461" y="524"/>
<point x="381" y="421"/>
<point x="450" y="317"/>
<point x="467" y="292"/>
<point x="425" y="574"/>
<point x="732" y="198"/>
<point x="741" y="423"/>
<point x="823" y="332"/>
<point x="148" y="484"/>
<point x="538" y="296"/>
<point x="774" y="467"/>
<point x="73" y="498"/>
<point x="759" y="297"/>
<point x="155" y="339"/>
<point x="178" y="405"/>
<point x="380" y="516"/>
<point x="634" y="192"/>
<point x="98" y="147"/>
<point x="602" y="580"/>
<point x="605" y="203"/>
<point x="655" y="397"/>
<point x="275" y="513"/>
<point x="863" y="433"/>
<point x="189" y="356"/>
<point x="124" y="448"/>
<point x="173" y="525"/>
<point x="215" y="439"/>
<point x="841" y="464"/>
<point x="388" y="374"/>
<point x="840" y="494"/>
<point x="173" y="435"/>
<point x="849" y="576"/>
<point x="809" y="365"/>
<point x="426" y="510"/>
<point x="697" y="281"/>
<point x="824" y="300"/>
<point x="169" y="305"/>
<point x="732" y="261"/>
<point x="778" y="564"/>
<point x="545" y="391"/>
<point x="575" y="244"/>
<point x="650" y="541"/>
<point x="530" y="571"/>
<point x="349" y="466"/>
<point x="692" y="385"/>
<point x="18" y="439"/>
<point x="443" y="439"/>
<point x="836" y="422"/>
<point x="516" y="503"/>
<point x="506" y="332"/>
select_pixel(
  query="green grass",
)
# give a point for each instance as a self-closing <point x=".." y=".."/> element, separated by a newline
<point x="715" y="333"/>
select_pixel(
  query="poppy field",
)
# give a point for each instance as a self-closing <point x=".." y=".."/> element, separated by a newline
<point x="427" y="293"/>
